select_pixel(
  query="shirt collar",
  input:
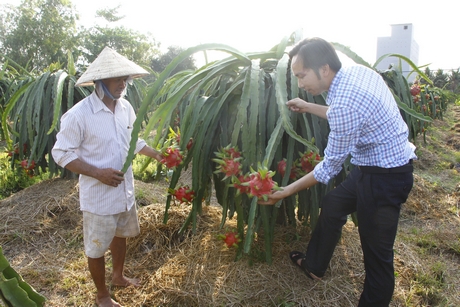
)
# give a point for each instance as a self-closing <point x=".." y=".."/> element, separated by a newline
<point x="98" y="105"/>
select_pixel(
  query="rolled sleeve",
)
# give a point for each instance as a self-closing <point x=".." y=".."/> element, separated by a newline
<point x="63" y="158"/>
<point x="67" y="141"/>
<point x="139" y="145"/>
<point x="324" y="171"/>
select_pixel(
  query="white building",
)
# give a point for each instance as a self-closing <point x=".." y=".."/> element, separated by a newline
<point x="401" y="42"/>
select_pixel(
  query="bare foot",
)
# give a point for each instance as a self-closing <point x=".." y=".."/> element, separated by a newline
<point x="106" y="302"/>
<point x="126" y="282"/>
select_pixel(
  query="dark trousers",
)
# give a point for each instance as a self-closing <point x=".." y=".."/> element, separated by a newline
<point x="377" y="199"/>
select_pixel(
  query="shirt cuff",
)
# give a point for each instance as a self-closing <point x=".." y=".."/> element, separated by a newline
<point x="321" y="174"/>
<point x="140" y="144"/>
<point x="67" y="159"/>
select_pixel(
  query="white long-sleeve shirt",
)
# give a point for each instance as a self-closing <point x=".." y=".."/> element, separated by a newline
<point x="95" y="135"/>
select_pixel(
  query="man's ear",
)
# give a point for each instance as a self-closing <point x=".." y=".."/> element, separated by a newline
<point x="325" y="70"/>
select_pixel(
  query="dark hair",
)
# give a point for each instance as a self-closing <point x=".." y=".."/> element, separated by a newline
<point x="315" y="53"/>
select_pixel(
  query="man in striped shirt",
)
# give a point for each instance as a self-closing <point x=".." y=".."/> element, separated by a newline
<point x="93" y="141"/>
<point x="365" y="122"/>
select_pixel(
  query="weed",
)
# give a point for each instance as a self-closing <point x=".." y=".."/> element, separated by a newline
<point x="454" y="247"/>
<point x="282" y="303"/>
<point x="13" y="178"/>
<point x="140" y="193"/>
<point x="456" y="156"/>
<point x="430" y="285"/>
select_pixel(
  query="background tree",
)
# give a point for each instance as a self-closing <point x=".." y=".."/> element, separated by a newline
<point x="454" y="81"/>
<point x="38" y="32"/>
<point x="429" y="74"/>
<point x="158" y="64"/>
<point x="440" y="79"/>
<point x="139" y="48"/>
<point x="110" y="14"/>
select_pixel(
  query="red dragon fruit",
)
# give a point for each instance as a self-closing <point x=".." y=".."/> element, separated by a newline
<point x="172" y="157"/>
<point x="175" y="137"/>
<point x="230" y="167"/>
<point x="237" y="183"/>
<point x="282" y="169"/>
<point x="189" y="144"/>
<point x="29" y="169"/>
<point x="183" y="194"/>
<point x="294" y="172"/>
<point x="24" y="164"/>
<point x="231" y="239"/>
<point x="228" y="159"/>
<point x="230" y="151"/>
<point x="415" y="90"/>
<point x="261" y="183"/>
<point x="308" y="161"/>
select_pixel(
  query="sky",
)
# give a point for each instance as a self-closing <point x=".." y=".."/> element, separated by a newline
<point x="258" y="25"/>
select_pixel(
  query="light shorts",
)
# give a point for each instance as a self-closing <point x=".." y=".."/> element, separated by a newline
<point x="99" y="230"/>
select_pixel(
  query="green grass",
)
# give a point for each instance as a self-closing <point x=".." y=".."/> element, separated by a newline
<point x="437" y="159"/>
<point x="430" y="285"/>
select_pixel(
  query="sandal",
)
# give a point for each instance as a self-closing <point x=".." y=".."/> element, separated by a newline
<point x="295" y="256"/>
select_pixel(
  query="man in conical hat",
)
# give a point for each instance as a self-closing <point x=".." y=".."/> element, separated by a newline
<point x="93" y="142"/>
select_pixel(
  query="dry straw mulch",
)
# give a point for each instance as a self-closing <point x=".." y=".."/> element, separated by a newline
<point x="40" y="233"/>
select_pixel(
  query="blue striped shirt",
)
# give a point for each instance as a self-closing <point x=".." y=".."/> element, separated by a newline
<point x="365" y="122"/>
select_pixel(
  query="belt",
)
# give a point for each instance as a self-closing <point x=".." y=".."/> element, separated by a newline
<point x="380" y="170"/>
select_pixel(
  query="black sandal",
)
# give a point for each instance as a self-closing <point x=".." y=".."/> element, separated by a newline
<point x="295" y="256"/>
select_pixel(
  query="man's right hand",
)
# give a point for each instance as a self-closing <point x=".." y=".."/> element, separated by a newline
<point x="110" y="176"/>
<point x="297" y="105"/>
<point x="301" y="106"/>
<point x="272" y="198"/>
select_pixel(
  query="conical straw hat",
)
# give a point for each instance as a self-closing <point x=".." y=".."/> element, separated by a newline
<point x="110" y="64"/>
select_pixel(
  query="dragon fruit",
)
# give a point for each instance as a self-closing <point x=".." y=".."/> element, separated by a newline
<point x="230" y="151"/>
<point x="282" y="169"/>
<point x="237" y="183"/>
<point x="172" y="157"/>
<point x="261" y="183"/>
<point x="182" y="194"/>
<point x="308" y="161"/>
<point x="228" y="159"/>
<point x="415" y="90"/>
<point x="230" y="167"/>
<point x="231" y="239"/>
